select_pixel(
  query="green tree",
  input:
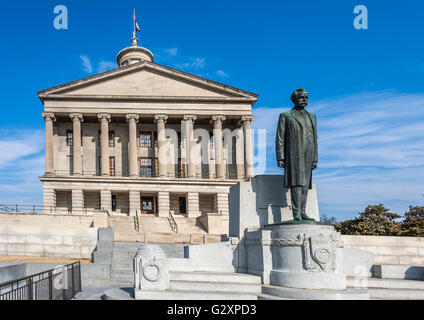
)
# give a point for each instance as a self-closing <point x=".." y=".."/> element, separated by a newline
<point x="413" y="223"/>
<point x="375" y="220"/>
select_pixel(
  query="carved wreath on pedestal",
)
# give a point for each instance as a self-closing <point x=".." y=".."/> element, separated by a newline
<point x="320" y="253"/>
<point x="152" y="270"/>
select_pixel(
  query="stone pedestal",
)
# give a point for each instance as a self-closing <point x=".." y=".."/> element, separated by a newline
<point x="304" y="256"/>
<point x="151" y="271"/>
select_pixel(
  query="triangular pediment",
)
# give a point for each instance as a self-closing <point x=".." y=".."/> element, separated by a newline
<point x="146" y="79"/>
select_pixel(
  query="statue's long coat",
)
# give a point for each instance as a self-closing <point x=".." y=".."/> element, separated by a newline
<point x="290" y="148"/>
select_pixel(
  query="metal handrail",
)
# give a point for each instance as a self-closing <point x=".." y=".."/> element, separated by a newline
<point x="172" y="222"/>
<point x="48" y="285"/>
<point x="136" y="222"/>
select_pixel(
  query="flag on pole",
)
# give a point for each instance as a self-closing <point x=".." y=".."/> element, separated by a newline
<point x="136" y="27"/>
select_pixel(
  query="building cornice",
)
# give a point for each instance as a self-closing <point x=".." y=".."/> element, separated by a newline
<point x="161" y="181"/>
<point x="133" y="98"/>
<point x="203" y="82"/>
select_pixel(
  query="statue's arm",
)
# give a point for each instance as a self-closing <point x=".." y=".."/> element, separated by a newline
<point x="279" y="140"/>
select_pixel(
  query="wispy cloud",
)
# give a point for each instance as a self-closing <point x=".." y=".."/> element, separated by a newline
<point x="106" y="66"/>
<point x="194" y="63"/>
<point x="20" y="165"/>
<point x="371" y="150"/>
<point x="222" y="74"/>
<point x="102" y="66"/>
<point x="86" y="63"/>
<point x="171" y="51"/>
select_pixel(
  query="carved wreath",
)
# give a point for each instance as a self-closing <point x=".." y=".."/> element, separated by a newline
<point x="152" y="271"/>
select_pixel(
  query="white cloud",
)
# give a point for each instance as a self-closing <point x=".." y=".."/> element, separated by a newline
<point x="222" y="74"/>
<point x="371" y="150"/>
<point x="171" y="51"/>
<point x="86" y="63"/>
<point x="21" y="163"/>
<point x="106" y="66"/>
<point x="194" y="63"/>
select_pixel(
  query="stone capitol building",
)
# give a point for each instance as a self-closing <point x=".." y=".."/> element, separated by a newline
<point x="146" y="139"/>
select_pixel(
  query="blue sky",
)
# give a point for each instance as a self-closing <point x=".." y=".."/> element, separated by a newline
<point x="366" y="86"/>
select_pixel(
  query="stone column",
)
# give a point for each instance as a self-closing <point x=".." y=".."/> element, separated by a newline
<point x="132" y="148"/>
<point x="135" y="202"/>
<point x="106" y="200"/>
<point x="77" y="119"/>
<point x="163" y="204"/>
<point x="193" y="205"/>
<point x="248" y="148"/>
<point x="49" y="199"/>
<point x="217" y="133"/>
<point x="160" y="120"/>
<point x="77" y="201"/>
<point x="191" y="167"/>
<point x="49" y="119"/>
<point x="104" y="124"/>
<point x="239" y="154"/>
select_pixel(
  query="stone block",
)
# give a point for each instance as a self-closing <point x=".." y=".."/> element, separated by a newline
<point x="408" y="241"/>
<point x="357" y="263"/>
<point x="386" y="260"/>
<point x="102" y="257"/>
<point x="151" y="269"/>
<point x="11" y="271"/>
<point x="398" y="272"/>
<point x="105" y="234"/>
<point x="411" y="261"/>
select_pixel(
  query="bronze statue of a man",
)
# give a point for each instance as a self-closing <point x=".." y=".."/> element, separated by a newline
<point x="297" y="151"/>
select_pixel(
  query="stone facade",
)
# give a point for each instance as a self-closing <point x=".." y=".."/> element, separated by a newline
<point x="143" y="139"/>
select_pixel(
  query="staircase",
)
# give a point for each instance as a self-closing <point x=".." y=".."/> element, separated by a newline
<point x="154" y="229"/>
<point x="390" y="289"/>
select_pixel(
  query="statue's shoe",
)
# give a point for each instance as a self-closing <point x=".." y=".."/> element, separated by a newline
<point x="297" y="218"/>
<point x="305" y="217"/>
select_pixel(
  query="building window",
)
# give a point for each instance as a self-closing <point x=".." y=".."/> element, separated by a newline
<point x="145" y="139"/>
<point x="146" y="167"/>
<point x="112" y="166"/>
<point x="111" y="138"/>
<point x="113" y="202"/>
<point x="212" y="142"/>
<point x="182" y="205"/>
<point x="69" y="138"/>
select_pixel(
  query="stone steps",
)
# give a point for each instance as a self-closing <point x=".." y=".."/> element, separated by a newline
<point x="389" y="283"/>
<point x="194" y="295"/>
<point x="203" y="286"/>
<point x="217" y="277"/>
<point x="303" y="294"/>
<point x="396" y="294"/>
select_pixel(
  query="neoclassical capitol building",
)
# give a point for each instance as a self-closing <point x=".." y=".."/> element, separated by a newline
<point x="145" y="139"/>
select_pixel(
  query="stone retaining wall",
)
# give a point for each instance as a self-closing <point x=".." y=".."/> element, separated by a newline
<point x="47" y="241"/>
<point x="389" y="250"/>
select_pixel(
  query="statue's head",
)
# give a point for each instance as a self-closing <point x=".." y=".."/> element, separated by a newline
<point x="300" y="98"/>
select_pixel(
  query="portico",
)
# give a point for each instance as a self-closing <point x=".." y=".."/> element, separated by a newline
<point x="129" y="140"/>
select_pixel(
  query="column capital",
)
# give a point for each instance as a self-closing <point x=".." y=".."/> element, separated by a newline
<point x="190" y="117"/>
<point x="130" y="116"/>
<point x="48" y="116"/>
<point x="245" y="119"/>
<point x="76" y="116"/>
<point x="104" y="116"/>
<point x="160" y="117"/>
<point x="218" y="118"/>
